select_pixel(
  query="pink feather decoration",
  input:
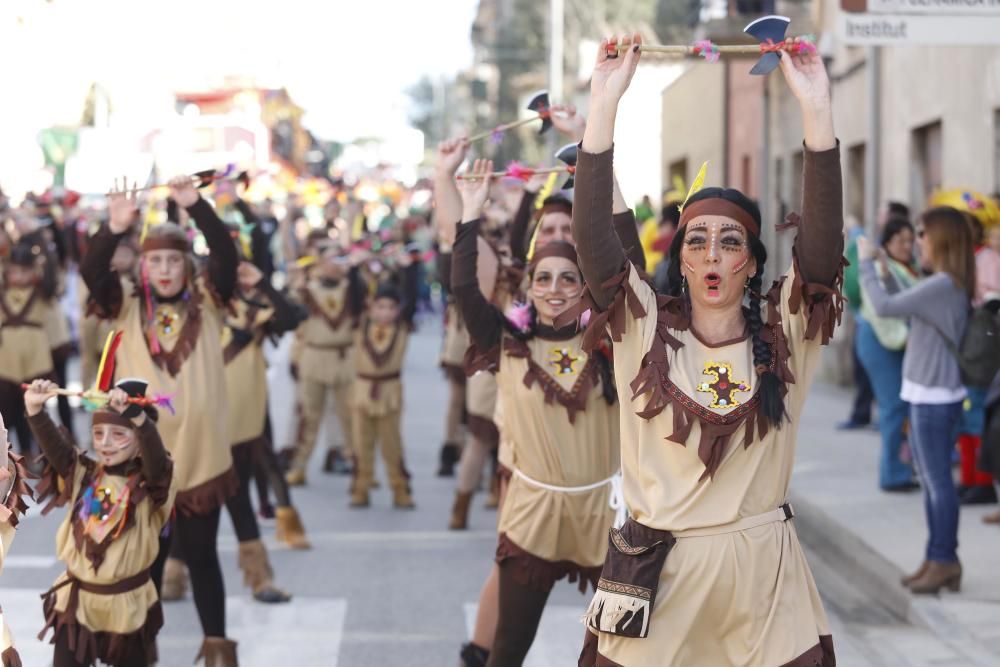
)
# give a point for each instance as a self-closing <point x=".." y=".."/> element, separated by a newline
<point x="585" y="318"/>
<point x="164" y="401"/>
<point x="519" y="172"/>
<point x="519" y="315"/>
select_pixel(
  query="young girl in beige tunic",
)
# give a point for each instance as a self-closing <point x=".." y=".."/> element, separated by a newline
<point x="13" y="491"/>
<point x="24" y="349"/>
<point x="556" y="512"/>
<point x="708" y="569"/>
<point x="172" y="332"/>
<point x="105" y="606"/>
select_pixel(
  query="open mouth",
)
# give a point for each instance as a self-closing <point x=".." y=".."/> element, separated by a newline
<point x="712" y="281"/>
<point x="556" y="303"/>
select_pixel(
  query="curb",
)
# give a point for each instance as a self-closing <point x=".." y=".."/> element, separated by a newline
<point x="854" y="559"/>
<point x="878" y="578"/>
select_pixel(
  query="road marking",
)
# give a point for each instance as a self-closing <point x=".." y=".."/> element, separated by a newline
<point x="29" y="562"/>
<point x="307" y="632"/>
<point x="228" y="542"/>
<point x="559" y="637"/>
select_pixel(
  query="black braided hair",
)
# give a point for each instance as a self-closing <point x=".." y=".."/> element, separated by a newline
<point x="769" y="386"/>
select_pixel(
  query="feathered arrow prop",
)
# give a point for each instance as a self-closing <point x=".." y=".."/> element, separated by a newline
<point x="768" y="30"/>
<point x="539" y="104"/>
<point x="202" y="179"/>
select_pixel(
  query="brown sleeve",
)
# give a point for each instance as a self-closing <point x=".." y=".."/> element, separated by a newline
<point x="598" y="246"/>
<point x="519" y="227"/>
<point x="819" y="245"/>
<point x="57" y="449"/>
<point x="628" y="234"/>
<point x="483" y="320"/>
<point x="103" y="283"/>
<point x="155" y="461"/>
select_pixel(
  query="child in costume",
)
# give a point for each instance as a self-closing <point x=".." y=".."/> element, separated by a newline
<point x="24" y="349"/>
<point x="105" y="606"/>
<point x="13" y="491"/>
<point x="334" y="297"/>
<point x="377" y="393"/>
<point x="258" y="311"/>
<point x="172" y="326"/>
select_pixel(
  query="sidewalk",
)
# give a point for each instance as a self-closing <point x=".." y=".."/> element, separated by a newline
<point x="873" y="538"/>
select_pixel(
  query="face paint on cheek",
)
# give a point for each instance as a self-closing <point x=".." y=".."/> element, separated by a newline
<point x="742" y="265"/>
<point x="688" y="266"/>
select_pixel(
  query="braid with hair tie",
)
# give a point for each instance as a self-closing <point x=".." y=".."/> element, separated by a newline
<point x="769" y="386"/>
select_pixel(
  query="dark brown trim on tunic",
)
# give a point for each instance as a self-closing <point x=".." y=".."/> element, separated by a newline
<point x="589" y="657"/>
<point x="20" y="318"/>
<point x="314" y="308"/>
<point x="209" y="495"/>
<point x="484" y="430"/>
<point x="574" y="400"/>
<point x="89" y="645"/>
<point x="820" y="655"/>
<point x="10" y="658"/>
<point x="187" y="339"/>
<point x="539" y="574"/>
<point x="19" y="489"/>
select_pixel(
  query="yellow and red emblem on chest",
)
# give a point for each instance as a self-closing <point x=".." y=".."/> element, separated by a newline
<point x="167" y="321"/>
<point x="563" y="360"/>
<point x="723" y="385"/>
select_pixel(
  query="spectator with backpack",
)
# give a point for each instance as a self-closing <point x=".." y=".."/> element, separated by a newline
<point x="938" y="308"/>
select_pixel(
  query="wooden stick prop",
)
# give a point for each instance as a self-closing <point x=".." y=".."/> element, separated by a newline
<point x="539" y="104"/>
<point x="566" y="155"/>
<point x="769" y="31"/>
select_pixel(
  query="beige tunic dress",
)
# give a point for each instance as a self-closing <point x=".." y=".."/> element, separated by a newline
<point x="381" y="351"/>
<point x="327" y="337"/>
<point x="13" y="492"/>
<point x="246" y="369"/>
<point x="190" y="368"/>
<point x="741" y="597"/>
<point x="25" y="352"/>
<point x="562" y="434"/>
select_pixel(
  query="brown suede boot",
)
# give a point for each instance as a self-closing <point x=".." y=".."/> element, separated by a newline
<point x="295" y="477"/>
<point x="218" y="652"/>
<point x="993" y="517"/>
<point x="359" y="497"/>
<point x="916" y="575"/>
<point x="175" y="580"/>
<point x="402" y="500"/>
<point x="257" y="573"/>
<point x="460" y="511"/>
<point x="289" y="529"/>
<point x="937" y="576"/>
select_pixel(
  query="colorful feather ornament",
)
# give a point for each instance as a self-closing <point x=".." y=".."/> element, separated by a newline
<point x="106" y="369"/>
<point x="698" y="184"/>
<point x="154" y="342"/>
<point x="543" y="194"/>
<point x="531" y="246"/>
<point x="519" y="316"/>
<point x="519" y="172"/>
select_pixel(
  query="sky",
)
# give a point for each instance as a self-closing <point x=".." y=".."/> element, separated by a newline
<point x="347" y="62"/>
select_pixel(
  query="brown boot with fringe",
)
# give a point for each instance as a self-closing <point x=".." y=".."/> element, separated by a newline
<point x="258" y="575"/>
<point x="218" y="652"/>
<point x="175" y="580"/>
<point x="289" y="529"/>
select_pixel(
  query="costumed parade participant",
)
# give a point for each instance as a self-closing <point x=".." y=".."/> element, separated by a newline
<point x="105" y="606"/>
<point x="334" y="297"/>
<point x="24" y="352"/>
<point x="172" y="324"/>
<point x="13" y="492"/>
<point x="258" y="312"/>
<point x="708" y="570"/>
<point x="377" y="392"/>
<point x="556" y="512"/>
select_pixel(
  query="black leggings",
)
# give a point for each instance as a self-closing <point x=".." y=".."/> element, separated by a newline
<point x="520" y="612"/>
<point x="267" y="470"/>
<point x="12" y="410"/>
<point x="192" y="539"/>
<point x="240" y="509"/>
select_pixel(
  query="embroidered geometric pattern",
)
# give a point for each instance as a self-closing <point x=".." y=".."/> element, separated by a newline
<point x="723" y="386"/>
<point x="563" y="361"/>
<point x="624" y="589"/>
